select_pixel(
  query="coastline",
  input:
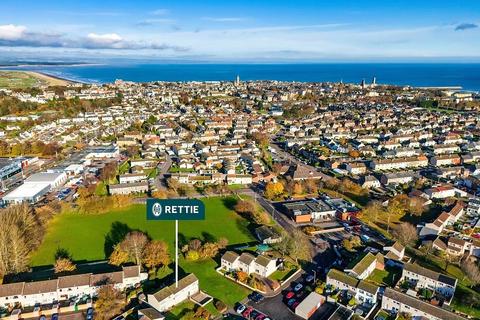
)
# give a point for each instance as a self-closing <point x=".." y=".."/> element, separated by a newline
<point x="50" y="79"/>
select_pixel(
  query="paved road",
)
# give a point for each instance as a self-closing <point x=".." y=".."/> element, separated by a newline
<point x="163" y="168"/>
<point x="280" y="218"/>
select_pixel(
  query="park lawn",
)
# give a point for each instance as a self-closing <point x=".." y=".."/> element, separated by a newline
<point x="90" y="237"/>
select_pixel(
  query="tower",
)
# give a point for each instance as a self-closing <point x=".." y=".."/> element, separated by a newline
<point x="374" y="81"/>
<point x="237" y="80"/>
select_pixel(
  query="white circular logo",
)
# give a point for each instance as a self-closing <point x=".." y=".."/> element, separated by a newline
<point x="157" y="209"/>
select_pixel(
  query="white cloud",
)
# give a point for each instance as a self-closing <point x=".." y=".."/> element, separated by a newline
<point x="11" y="32"/>
<point x="160" y="12"/>
<point x="108" y="38"/>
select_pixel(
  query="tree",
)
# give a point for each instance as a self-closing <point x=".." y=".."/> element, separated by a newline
<point x="208" y="250"/>
<point x="195" y="244"/>
<point x="109" y="303"/>
<point x="192" y="255"/>
<point x="160" y="194"/>
<point x="134" y="244"/>
<point x="373" y="211"/>
<point x="156" y="254"/>
<point x="299" y="247"/>
<point x="64" y="265"/>
<point x="352" y="243"/>
<point x="406" y="233"/>
<point x="222" y="243"/>
<point x="297" y="188"/>
<point x="118" y="256"/>
<point x="311" y="186"/>
<point x="244" y="206"/>
<point x="273" y="189"/>
<point x="242" y="276"/>
<point x="472" y="271"/>
<point x="20" y="233"/>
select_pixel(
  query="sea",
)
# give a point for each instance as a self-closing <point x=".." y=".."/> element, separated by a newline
<point x="464" y="75"/>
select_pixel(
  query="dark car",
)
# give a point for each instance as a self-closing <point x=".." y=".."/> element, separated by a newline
<point x="256" y="297"/>
<point x="291" y="302"/>
<point x="89" y="314"/>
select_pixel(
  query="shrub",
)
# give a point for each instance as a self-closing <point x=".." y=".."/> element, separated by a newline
<point x="192" y="255"/>
<point x="220" y="306"/>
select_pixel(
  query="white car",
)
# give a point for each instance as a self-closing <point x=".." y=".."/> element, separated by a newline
<point x="298" y="287"/>
<point x="240" y="308"/>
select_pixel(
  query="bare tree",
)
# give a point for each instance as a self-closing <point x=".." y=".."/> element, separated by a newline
<point x="134" y="244"/>
<point x="20" y="232"/>
<point x="406" y="233"/>
<point x="472" y="271"/>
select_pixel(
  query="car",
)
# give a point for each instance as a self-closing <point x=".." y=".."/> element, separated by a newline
<point x="247" y="312"/>
<point x="289" y="295"/>
<point x="240" y="308"/>
<point x="89" y="314"/>
<point x="298" y="287"/>
<point x="254" y="314"/>
<point x="291" y="302"/>
<point x="261" y="316"/>
<point x="309" y="278"/>
<point x="294" y="306"/>
<point x="256" y="297"/>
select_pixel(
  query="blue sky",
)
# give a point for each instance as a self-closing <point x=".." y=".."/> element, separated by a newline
<point x="260" y="31"/>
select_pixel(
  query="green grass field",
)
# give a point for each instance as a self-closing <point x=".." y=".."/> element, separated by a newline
<point x="89" y="238"/>
<point x="13" y="79"/>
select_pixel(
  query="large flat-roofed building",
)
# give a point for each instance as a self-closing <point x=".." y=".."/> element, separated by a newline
<point x="9" y="167"/>
<point x="306" y="211"/>
<point x="35" y="187"/>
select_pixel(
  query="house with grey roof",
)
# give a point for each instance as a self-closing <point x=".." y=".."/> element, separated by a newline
<point x="421" y="277"/>
<point x="170" y="296"/>
<point x="397" y="302"/>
